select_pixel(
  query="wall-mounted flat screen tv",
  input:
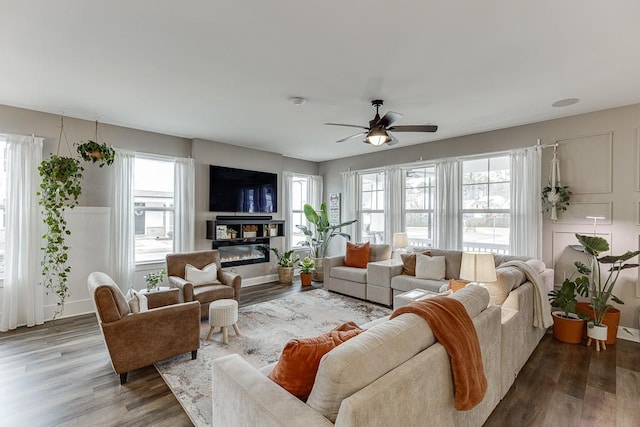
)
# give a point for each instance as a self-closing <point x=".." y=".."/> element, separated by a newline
<point x="239" y="190"/>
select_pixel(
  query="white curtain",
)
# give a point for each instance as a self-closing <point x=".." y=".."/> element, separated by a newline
<point x="314" y="191"/>
<point x="447" y="209"/>
<point x="23" y="299"/>
<point x="287" y="214"/>
<point x="393" y="202"/>
<point x="526" y="206"/>
<point x="350" y="203"/>
<point x="122" y="222"/>
<point x="184" y="205"/>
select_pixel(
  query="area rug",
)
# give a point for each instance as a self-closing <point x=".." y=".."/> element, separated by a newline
<point x="264" y="329"/>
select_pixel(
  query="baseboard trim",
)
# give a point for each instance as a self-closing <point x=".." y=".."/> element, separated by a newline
<point x="71" y="309"/>
<point x="253" y="281"/>
<point x="632" y="335"/>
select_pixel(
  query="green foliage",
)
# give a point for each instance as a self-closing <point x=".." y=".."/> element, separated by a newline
<point x="600" y="289"/>
<point x="565" y="297"/>
<point x="307" y="265"/>
<point x="91" y="151"/>
<point x="153" y="279"/>
<point x="285" y="259"/>
<point x="562" y="196"/>
<point x="59" y="190"/>
<point x="324" y="231"/>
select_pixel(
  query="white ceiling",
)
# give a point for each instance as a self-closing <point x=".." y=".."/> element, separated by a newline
<point x="225" y="70"/>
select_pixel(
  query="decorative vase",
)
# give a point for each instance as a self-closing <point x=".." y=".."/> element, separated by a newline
<point x="597" y="332"/>
<point x="285" y="275"/>
<point x="569" y="329"/>
<point x="318" y="273"/>
<point x="305" y="278"/>
<point x="611" y="319"/>
<point x="273" y="232"/>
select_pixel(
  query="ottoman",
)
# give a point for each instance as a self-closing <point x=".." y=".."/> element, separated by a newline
<point x="223" y="313"/>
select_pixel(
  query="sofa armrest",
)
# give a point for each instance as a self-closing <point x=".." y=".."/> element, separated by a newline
<point x="329" y="262"/>
<point x="186" y="288"/>
<point x="245" y="397"/>
<point x="379" y="273"/>
<point x="231" y="279"/>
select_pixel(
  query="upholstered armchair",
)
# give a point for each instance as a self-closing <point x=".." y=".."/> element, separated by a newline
<point x="225" y="285"/>
<point x="135" y="340"/>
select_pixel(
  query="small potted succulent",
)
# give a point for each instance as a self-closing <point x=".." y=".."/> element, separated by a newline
<point x="154" y="279"/>
<point x="306" y="271"/>
<point x="232" y="232"/>
<point x="91" y="151"/>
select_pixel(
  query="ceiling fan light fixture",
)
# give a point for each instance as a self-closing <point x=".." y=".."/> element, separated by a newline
<point x="378" y="136"/>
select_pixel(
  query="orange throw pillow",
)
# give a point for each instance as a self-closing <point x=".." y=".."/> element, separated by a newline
<point x="298" y="365"/>
<point x="409" y="262"/>
<point x="357" y="255"/>
<point x="456" y="285"/>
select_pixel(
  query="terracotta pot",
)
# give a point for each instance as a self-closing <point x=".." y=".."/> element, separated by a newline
<point x="611" y="319"/>
<point x="318" y="273"/>
<point x="305" y="278"/>
<point x="567" y="330"/>
<point x="95" y="155"/>
<point x="285" y="275"/>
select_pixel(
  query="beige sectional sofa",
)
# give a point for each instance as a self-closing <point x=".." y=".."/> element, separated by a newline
<point x="395" y="373"/>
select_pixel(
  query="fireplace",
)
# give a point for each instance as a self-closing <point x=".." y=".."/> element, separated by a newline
<point x="243" y="251"/>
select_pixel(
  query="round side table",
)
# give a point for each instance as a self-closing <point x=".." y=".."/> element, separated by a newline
<point x="223" y="313"/>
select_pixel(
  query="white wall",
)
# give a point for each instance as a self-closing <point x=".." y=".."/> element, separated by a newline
<point x="586" y="168"/>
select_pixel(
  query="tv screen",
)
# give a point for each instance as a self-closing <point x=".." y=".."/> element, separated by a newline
<point x="239" y="190"/>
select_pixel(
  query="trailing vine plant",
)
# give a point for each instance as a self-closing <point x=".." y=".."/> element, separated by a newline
<point x="93" y="151"/>
<point x="59" y="190"/>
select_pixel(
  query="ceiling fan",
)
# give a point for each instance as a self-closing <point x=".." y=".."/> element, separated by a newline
<point x="379" y="130"/>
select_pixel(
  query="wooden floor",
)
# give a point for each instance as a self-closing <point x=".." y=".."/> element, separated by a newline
<point x="59" y="374"/>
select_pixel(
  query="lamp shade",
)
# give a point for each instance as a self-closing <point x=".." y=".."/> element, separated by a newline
<point x="400" y="240"/>
<point x="478" y="267"/>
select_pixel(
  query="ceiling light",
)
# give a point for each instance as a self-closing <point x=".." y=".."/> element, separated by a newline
<point x="377" y="136"/>
<point x="565" y="102"/>
<point x="297" y="100"/>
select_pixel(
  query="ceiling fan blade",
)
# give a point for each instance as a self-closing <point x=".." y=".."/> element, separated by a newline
<point x="393" y="141"/>
<point x="414" y="128"/>
<point x="349" y="126"/>
<point x="352" y="136"/>
<point x="390" y="118"/>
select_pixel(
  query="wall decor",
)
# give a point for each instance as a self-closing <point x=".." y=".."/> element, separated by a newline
<point x="334" y="208"/>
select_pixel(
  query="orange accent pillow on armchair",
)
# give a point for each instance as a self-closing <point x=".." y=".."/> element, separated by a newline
<point x="357" y="255"/>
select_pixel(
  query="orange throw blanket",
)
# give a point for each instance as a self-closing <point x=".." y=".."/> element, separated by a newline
<point x="453" y="328"/>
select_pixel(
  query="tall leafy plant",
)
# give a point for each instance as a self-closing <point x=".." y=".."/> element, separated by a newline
<point x="59" y="190"/>
<point x="322" y="233"/>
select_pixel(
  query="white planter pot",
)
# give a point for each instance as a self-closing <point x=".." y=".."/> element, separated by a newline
<point x="597" y="332"/>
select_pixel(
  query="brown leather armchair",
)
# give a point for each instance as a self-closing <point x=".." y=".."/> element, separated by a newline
<point x="227" y="285"/>
<point x="135" y="340"/>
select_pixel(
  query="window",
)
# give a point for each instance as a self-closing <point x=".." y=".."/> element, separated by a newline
<point x="3" y="196"/>
<point x="153" y="208"/>
<point x="371" y="216"/>
<point x="486" y="203"/>
<point x="419" y="199"/>
<point x="299" y="197"/>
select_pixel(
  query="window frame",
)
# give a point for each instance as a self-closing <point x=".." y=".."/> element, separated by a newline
<point x="430" y="199"/>
<point x="361" y="211"/>
<point x="304" y="198"/>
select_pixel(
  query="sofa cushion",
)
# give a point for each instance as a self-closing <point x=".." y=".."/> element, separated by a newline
<point x="456" y="285"/>
<point x="296" y="369"/>
<point x="137" y="302"/>
<point x="409" y="262"/>
<point x="208" y="274"/>
<point x="537" y="264"/>
<point x="379" y="253"/>
<point x="357" y="255"/>
<point x="404" y="283"/>
<point x="365" y="358"/>
<point x="453" y="260"/>
<point x="508" y="278"/>
<point x="351" y="274"/>
<point x="208" y="293"/>
<point x="428" y="267"/>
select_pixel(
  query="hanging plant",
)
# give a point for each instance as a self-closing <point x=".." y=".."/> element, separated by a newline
<point x="59" y="190"/>
<point x="560" y="197"/>
<point x="91" y="151"/>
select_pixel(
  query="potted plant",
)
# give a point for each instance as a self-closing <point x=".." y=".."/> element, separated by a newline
<point x="249" y="230"/>
<point x="601" y="288"/>
<point x="323" y="232"/>
<point x="232" y="232"/>
<point x="59" y="190"/>
<point x="306" y="271"/>
<point x="154" y="279"/>
<point x="91" y="151"/>
<point x="558" y="195"/>
<point x="286" y="263"/>
<point x="567" y="324"/>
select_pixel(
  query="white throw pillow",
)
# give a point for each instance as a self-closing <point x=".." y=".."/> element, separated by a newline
<point x="430" y="267"/>
<point x="209" y="274"/>
<point x="137" y="302"/>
